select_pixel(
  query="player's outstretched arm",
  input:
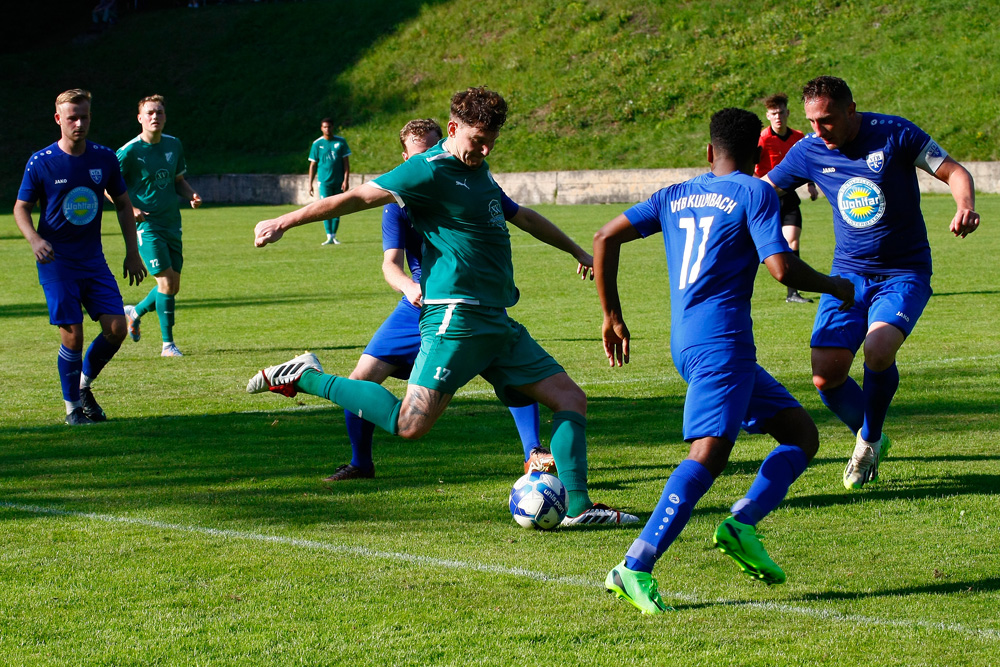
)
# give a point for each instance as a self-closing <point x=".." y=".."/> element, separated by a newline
<point x="607" y="250"/>
<point x="791" y="271"/>
<point x="40" y="248"/>
<point x="363" y="197"/>
<point x="395" y="275"/>
<point x="132" y="267"/>
<point x="546" y="231"/>
<point x="963" y="190"/>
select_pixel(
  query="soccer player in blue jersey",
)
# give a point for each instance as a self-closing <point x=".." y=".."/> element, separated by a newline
<point x="393" y="348"/>
<point x="865" y="163"/>
<point x="716" y="229"/>
<point x="467" y="282"/>
<point x="68" y="180"/>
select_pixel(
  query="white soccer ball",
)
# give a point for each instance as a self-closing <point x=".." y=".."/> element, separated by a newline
<point x="538" y="500"/>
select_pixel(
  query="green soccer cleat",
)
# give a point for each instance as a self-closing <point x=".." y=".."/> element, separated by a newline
<point x="739" y="541"/>
<point x="863" y="466"/>
<point x="636" y="588"/>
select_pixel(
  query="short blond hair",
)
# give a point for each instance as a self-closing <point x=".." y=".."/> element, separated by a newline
<point x="73" y="96"/>
<point x="156" y="99"/>
<point x="419" y="128"/>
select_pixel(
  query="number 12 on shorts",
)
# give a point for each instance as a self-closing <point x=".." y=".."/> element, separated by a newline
<point x="689" y="271"/>
<point x="442" y="373"/>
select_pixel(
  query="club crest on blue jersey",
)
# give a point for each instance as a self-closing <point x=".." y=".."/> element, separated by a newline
<point x="95" y="175"/>
<point x="861" y="203"/>
<point x="80" y="206"/>
<point x="875" y="161"/>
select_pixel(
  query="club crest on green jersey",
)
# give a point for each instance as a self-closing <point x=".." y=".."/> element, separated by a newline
<point x="496" y="213"/>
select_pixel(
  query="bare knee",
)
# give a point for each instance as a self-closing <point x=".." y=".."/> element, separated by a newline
<point x="114" y="330"/>
<point x="830" y="367"/>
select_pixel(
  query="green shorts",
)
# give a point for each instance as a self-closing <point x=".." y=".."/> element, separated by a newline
<point x="160" y="249"/>
<point x="459" y="342"/>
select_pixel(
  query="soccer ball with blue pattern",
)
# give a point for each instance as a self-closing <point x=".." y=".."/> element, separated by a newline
<point x="538" y="500"/>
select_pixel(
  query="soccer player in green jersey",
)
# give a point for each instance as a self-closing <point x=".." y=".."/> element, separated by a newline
<point x="153" y="167"/>
<point x="467" y="282"/>
<point x="329" y="161"/>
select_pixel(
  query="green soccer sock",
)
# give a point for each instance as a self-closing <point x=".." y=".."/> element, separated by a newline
<point x="148" y="304"/>
<point x="368" y="400"/>
<point x="331" y="225"/>
<point x="569" y="449"/>
<point x="165" y="311"/>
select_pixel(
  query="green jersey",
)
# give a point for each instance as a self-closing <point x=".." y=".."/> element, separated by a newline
<point x="329" y="154"/>
<point x="459" y="213"/>
<point x="149" y="171"/>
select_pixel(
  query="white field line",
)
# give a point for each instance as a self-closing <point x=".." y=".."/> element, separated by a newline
<point x="314" y="545"/>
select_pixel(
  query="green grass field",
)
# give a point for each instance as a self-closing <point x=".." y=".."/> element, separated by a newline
<point x="193" y="528"/>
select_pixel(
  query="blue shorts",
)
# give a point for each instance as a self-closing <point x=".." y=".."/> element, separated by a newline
<point x="397" y="341"/>
<point x="726" y="394"/>
<point x="97" y="293"/>
<point x="895" y="300"/>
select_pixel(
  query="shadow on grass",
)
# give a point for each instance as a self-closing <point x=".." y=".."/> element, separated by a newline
<point x="986" y="585"/>
<point x="266" y="468"/>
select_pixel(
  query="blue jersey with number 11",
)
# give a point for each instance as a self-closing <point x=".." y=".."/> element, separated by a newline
<point x="716" y="230"/>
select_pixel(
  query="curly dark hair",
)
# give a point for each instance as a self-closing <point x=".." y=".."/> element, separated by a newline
<point x="735" y="132"/>
<point x="419" y="127"/>
<point x="828" y="86"/>
<point x="479" y="107"/>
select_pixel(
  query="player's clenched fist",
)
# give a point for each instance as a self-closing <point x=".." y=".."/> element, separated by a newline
<point x="266" y="231"/>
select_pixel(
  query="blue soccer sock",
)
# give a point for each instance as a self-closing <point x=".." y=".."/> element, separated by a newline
<point x="361" y="432"/>
<point x="70" y="364"/>
<point x="880" y="387"/>
<point x="847" y="402"/>
<point x="780" y="468"/>
<point x="685" y="487"/>
<point x="98" y="355"/>
<point x="148" y="304"/>
<point x="526" y="420"/>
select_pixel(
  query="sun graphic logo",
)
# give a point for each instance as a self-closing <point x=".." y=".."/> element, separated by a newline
<point x="80" y="206"/>
<point x="861" y="203"/>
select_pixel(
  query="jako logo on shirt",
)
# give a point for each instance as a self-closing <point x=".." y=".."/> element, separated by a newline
<point x="80" y="206"/>
<point x="861" y="203"/>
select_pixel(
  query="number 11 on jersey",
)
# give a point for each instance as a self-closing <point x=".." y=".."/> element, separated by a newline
<point x="689" y="271"/>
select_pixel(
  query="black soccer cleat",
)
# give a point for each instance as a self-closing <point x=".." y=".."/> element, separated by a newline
<point x="90" y="407"/>
<point x="78" y="418"/>
<point x="348" y="471"/>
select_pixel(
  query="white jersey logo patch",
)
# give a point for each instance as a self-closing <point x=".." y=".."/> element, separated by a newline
<point x="464" y="184"/>
<point x="95" y="175"/>
<point x="169" y="156"/>
<point x="876" y="161"/>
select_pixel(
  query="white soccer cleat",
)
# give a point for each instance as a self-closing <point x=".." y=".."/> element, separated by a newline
<point x="132" y="322"/>
<point x="600" y="514"/>
<point x="170" y="350"/>
<point x="863" y="466"/>
<point x="281" y="378"/>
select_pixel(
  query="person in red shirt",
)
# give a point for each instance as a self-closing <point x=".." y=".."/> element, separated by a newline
<point x="774" y="143"/>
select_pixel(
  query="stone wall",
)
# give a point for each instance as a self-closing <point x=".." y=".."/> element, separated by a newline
<point x="615" y="186"/>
